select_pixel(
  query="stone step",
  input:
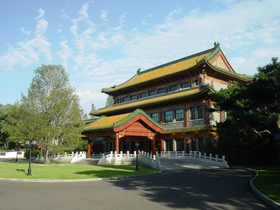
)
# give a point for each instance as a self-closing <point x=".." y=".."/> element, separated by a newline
<point x="88" y="161"/>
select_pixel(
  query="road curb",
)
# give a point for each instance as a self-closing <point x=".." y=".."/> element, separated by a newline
<point x="78" y="180"/>
<point x="269" y="201"/>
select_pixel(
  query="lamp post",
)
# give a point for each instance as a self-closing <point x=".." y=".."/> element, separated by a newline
<point x="17" y="148"/>
<point x="30" y="144"/>
<point x="136" y="145"/>
<point x="277" y="142"/>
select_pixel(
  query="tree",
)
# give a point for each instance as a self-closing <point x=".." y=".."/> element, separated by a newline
<point x="50" y="112"/>
<point x="110" y="101"/>
<point x="253" y="112"/>
<point x="3" y="134"/>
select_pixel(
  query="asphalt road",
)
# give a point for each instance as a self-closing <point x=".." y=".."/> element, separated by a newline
<point x="174" y="189"/>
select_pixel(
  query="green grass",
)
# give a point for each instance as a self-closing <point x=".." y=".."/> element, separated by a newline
<point x="68" y="171"/>
<point x="268" y="181"/>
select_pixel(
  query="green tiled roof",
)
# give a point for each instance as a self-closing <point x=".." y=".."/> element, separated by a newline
<point x="165" y="69"/>
<point x="117" y="120"/>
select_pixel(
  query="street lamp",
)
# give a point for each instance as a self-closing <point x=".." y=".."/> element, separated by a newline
<point x="30" y="144"/>
<point x="137" y="145"/>
<point x="277" y="142"/>
<point x="17" y="148"/>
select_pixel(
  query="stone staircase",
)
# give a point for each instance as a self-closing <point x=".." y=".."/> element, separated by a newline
<point x="89" y="161"/>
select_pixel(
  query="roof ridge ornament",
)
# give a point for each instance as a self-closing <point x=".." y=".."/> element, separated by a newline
<point x="216" y="44"/>
<point x="138" y="71"/>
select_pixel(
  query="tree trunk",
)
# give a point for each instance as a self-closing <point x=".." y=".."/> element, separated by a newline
<point x="46" y="157"/>
<point x="6" y="145"/>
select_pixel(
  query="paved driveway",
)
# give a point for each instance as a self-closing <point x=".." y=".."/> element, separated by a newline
<point x="172" y="189"/>
<point x="182" y="164"/>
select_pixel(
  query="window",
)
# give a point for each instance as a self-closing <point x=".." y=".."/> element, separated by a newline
<point x="180" y="144"/>
<point x="173" y="88"/>
<point x="134" y="97"/>
<point x="152" y="93"/>
<point x="168" y="116"/>
<point x="169" y="145"/>
<point x="155" y="116"/>
<point x="185" y="85"/>
<point x="125" y="99"/>
<point x="200" y="143"/>
<point x="196" y="82"/>
<point x="196" y="112"/>
<point x="179" y="115"/>
<point x="160" y="91"/>
<point x="117" y="101"/>
<point x="143" y="95"/>
<point x="193" y="144"/>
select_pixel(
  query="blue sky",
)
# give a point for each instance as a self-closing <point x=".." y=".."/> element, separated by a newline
<point x="103" y="42"/>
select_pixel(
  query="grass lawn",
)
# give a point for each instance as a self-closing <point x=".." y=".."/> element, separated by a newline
<point x="68" y="171"/>
<point x="268" y="181"/>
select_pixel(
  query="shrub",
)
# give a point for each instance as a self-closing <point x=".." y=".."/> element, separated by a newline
<point x="34" y="153"/>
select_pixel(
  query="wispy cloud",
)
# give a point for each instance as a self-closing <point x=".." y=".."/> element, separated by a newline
<point x="27" y="32"/>
<point x="28" y="52"/>
<point x="64" y="53"/>
<point x="103" y="15"/>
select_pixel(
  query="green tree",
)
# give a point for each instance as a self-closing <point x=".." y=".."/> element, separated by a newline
<point x="110" y="101"/>
<point x="50" y="112"/>
<point x="4" y="109"/>
<point x="253" y="113"/>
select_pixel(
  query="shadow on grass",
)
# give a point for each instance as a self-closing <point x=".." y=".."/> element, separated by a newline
<point x="22" y="170"/>
<point x="102" y="171"/>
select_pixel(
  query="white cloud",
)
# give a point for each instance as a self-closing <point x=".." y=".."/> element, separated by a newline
<point x="83" y="12"/>
<point x="27" y="32"/>
<point x="41" y="14"/>
<point x="65" y="53"/>
<point x="28" y="52"/>
<point x="174" y="15"/>
<point x="103" y="15"/>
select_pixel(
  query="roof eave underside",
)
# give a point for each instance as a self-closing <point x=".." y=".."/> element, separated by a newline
<point x="231" y="74"/>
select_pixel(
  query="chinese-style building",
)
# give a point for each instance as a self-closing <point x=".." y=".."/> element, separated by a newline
<point x="164" y="108"/>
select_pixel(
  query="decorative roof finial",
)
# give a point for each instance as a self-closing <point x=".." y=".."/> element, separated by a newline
<point x="216" y="44"/>
<point x="138" y="71"/>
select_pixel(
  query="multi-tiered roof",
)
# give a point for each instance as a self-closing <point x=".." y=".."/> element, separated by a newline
<point x="211" y="62"/>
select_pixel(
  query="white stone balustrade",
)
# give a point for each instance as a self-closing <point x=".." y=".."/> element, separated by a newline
<point x="129" y="159"/>
<point x="194" y="155"/>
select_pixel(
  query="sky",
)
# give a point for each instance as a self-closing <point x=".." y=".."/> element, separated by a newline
<point x="102" y="43"/>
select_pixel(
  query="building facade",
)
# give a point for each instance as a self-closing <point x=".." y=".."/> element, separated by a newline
<point x="164" y="108"/>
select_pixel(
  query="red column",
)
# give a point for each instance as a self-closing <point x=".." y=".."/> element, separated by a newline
<point x="117" y="143"/>
<point x="187" y="146"/>
<point x="161" y="144"/>
<point x="154" y="146"/>
<point x="88" y="148"/>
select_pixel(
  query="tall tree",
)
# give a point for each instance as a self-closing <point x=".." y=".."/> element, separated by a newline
<point x="253" y="112"/>
<point x="4" y="109"/>
<point x="50" y="112"/>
